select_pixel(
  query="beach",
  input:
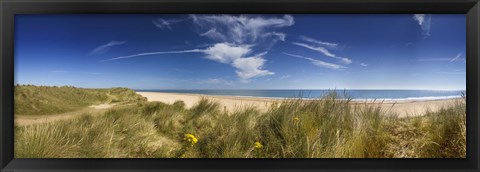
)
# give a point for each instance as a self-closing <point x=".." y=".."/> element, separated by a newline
<point x="403" y="108"/>
<point x="134" y="124"/>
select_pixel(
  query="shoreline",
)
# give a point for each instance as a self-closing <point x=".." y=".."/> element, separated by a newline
<point x="401" y="107"/>
<point x="386" y="100"/>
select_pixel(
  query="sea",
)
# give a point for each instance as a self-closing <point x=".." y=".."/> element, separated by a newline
<point x="396" y="95"/>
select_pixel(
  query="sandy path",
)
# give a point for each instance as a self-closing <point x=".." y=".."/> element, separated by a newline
<point x="403" y="108"/>
<point x="22" y="120"/>
<point x="102" y="106"/>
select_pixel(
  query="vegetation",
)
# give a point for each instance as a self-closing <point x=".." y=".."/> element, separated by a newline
<point x="43" y="100"/>
<point x="325" y="128"/>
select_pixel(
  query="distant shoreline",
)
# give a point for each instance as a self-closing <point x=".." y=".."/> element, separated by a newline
<point x="230" y="103"/>
<point x="385" y="100"/>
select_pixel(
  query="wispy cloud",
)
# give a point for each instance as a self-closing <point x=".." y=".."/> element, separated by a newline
<point x="241" y="29"/>
<point x="318" y="42"/>
<point x="424" y="20"/>
<point x="324" y="51"/>
<point x="318" y="63"/>
<point x="285" y="77"/>
<point x="235" y="37"/>
<point x="457" y="58"/>
<point x="106" y="47"/>
<point x="153" y="53"/>
<point x="280" y="36"/>
<point x="363" y="64"/>
<point x="319" y="49"/>
<point x="433" y="59"/>
<point x="165" y="24"/>
<point x="214" y="34"/>
<point x="237" y="56"/>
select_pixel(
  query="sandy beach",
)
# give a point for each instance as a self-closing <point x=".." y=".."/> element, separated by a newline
<point x="231" y="103"/>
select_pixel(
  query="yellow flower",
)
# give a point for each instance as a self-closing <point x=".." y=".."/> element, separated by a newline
<point x="258" y="145"/>
<point x="190" y="138"/>
<point x="296" y="119"/>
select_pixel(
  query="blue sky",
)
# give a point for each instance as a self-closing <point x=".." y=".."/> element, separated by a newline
<point x="298" y="51"/>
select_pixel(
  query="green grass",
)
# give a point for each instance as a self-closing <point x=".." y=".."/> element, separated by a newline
<point x="329" y="127"/>
<point x="43" y="100"/>
<point x="120" y="132"/>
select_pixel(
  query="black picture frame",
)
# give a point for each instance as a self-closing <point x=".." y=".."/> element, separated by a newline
<point x="8" y="9"/>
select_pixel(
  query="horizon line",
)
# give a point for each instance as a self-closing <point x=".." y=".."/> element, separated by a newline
<point x="159" y="89"/>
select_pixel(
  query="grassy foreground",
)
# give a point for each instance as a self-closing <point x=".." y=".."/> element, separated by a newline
<point x="329" y="127"/>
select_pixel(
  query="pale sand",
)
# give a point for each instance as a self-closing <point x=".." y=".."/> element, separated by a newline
<point x="231" y="103"/>
<point x="102" y="106"/>
<point x="22" y="120"/>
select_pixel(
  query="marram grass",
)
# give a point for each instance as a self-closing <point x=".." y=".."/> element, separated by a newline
<point x="325" y="128"/>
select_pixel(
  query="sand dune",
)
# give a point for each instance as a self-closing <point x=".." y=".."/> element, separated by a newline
<point x="22" y="120"/>
<point x="402" y="108"/>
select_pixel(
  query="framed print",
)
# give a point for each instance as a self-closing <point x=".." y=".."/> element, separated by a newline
<point x="210" y="85"/>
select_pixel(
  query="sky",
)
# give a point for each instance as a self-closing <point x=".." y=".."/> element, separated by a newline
<point x="274" y="51"/>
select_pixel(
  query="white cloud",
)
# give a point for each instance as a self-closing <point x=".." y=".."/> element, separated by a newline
<point x="318" y="63"/>
<point x="164" y="24"/>
<point x="424" y="20"/>
<point x="420" y="18"/>
<point x="247" y="67"/>
<point x="285" y="77"/>
<point x="280" y="36"/>
<point x="250" y="67"/>
<point x="345" y="60"/>
<point x="319" y="49"/>
<point x="433" y="59"/>
<point x="456" y="57"/>
<point x="318" y="42"/>
<point x="106" y="47"/>
<point x="213" y="34"/>
<point x="226" y="53"/>
<point x="235" y="55"/>
<point x="154" y="53"/>
<point x="240" y="29"/>
<point x="324" y="51"/>
<point x="363" y="64"/>
<point x="58" y="71"/>
<point x="235" y="37"/>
